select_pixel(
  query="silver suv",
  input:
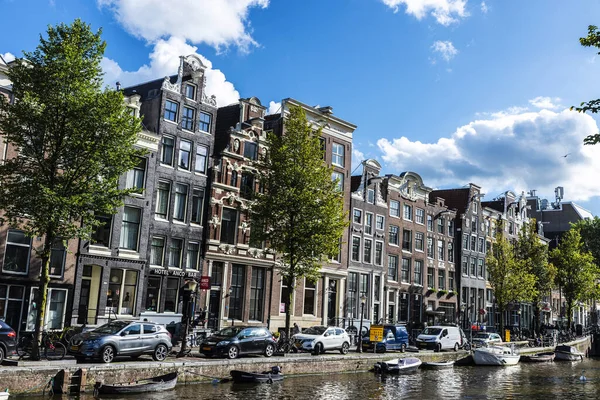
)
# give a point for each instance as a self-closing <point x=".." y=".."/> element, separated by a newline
<point x="122" y="338"/>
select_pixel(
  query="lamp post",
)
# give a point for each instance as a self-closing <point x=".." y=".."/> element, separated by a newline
<point x="363" y="300"/>
<point x="189" y="292"/>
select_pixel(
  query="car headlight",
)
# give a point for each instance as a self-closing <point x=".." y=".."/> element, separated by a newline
<point x="223" y="343"/>
<point x="92" y="342"/>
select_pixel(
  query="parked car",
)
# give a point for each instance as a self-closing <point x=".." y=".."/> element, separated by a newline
<point x="320" y="339"/>
<point x="8" y="342"/>
<point x="237" y="340"/>
<point x="122" y="338"/>
<point x="484" y="339"/>
<point x="395" y="337"/>
<point x="440" y="337"/>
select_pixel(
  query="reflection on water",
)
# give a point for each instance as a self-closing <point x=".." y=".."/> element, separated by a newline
<point x="558" y="380"/>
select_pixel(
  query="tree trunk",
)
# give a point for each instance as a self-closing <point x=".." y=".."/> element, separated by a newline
<point x="536" y="319"/>
<point x="289" y="302"/>
<point x="43" y="294"/>
<point x="501" y="310"/>
<point x="569" y="313"/>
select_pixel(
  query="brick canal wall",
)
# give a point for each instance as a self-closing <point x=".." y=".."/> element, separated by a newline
<point x="32" y="378"/>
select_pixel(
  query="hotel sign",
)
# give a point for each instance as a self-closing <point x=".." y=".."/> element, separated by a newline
<point x="174" y="272"/>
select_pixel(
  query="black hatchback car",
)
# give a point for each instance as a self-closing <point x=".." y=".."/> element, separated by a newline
<point x="236" y="340"/>
<point x="8" y="341"/>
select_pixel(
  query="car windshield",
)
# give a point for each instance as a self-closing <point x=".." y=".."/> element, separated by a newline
<point x="482" y="336"/>
<point x="432" y="331"/>
<point x="230" y="332"/>
<point x="315" y="330"/>
<point x="112" y="327"/>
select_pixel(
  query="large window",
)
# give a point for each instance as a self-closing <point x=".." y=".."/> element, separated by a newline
<point x="163" y="193"/>
<point x="440" y="225"/>
<point x="55" y="309"/>
<point x="380" y="222"/>
<point x="356" y="248"/>
<point x="441" y="251"/>
<point x="236" y="299"/>
<point x="430" y="247"/>
<point x="371" y="196"/>
<point x="408" y="212"/>
<point x="441" y="279"/>
<point x="16" y="255"/>
<point x="339" y="178"/>
<point x="367" y="251"/>
<point x="181" y="196"/>
<point x="420" y="216"/>
<point x="192" y="256"/>
<point x="393" y="268"/>
<point x="480" y="267"/>
<point x="205" y="120"/>
<point x="429" y="223"/>
<point x="197" y="205"/>
<point x="171" y="110"/>
<point x="201" y="158"/>
<point x="168" y="150"/>
<point x="451" y="280"/>
<point x="430" y="277"/>
<point x="257" y="285"/>
<point x="250" y="150"/>
<point x="337" y="154"/>
<point x="473" y="267"/>
<point x="101" y="233"/>
<point x="405" y="270"/>
<point x="450" y="227"/>
<point x="136" y="176"/>
<point x="175" y="249"/>
<point x="122" y="286"/>
<point x="185" y="149"/>
<point x="187" y="119"/>
<point x="378" y="253"/>
<point x="393" y="236"/>
<point x="364" y="291"/>
<point x="247" y="185"/>
<point x="57" y="259"/>
<point x="153" y="293"/>
<point x="310" y="297"/>
<point x="368" y="223"/>
<point x="406" y="240"/>
<point x="357" y="216"/>
<point x="418" y="272"/>
<point x="130" y="230"/>
<point x="190" y="92"/>
<point x="450" y="252"/>
<point x="172" y="295"/>
<point x="229" y="226"/>
<point x="419" y="241"/>
<point x="352" y="294"/>
<point x="216" y="274"/>
<point x="394" y="208"/>
<point x="11" y="304"/>
<point x="157" y="251"/>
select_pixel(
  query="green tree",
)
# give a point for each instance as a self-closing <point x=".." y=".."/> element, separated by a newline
<point x="509" y="277"/>
<point x="533" y="252"/>
<point x="589" y="229"/>
<point x="300" y="214"/>
<point x="577" y="275"/>
<point x="74" y="141"/>
<point x="592" y="106"/>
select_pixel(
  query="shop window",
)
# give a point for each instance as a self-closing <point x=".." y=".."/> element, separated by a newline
<point x="236" y="299"/>
<point x="120" y="296"/>
<point x="171" y="295"/>
<point x="257" y="294"/>
<point x="153" y="293"/>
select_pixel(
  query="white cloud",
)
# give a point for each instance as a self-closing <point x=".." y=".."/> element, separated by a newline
<point x="548" y="103"/>
<point x="164" y="60"/>
<point x="274" y="107"/>
<point x="518" y="151"/>
<point x="445" y="12"/>
<point x="218" y="23"/>
<point x="8" y="57"/>
<point x="357" y="157"/>
<point x="484" y="7"/>
<point x="445" y="49"/>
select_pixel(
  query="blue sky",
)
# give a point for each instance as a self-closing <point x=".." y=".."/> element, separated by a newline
<point x="456" y="90"/>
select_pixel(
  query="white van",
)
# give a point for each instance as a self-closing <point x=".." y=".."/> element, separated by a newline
<point x="439" y="338"/>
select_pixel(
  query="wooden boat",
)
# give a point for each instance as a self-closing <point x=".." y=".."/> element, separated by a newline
<point x="496" y="355"/>
<point x="438" y="365"/>
<point x="567" y="353"/>
<point x="537" y="358"/>
<point x="156" y="384"/>
<point x="397" y="366"/>
<point x="271" y="376"/>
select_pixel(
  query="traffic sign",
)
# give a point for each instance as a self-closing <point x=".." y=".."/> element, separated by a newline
<point x="376" y="333"/>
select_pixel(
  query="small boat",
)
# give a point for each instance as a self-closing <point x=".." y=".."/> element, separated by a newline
<point x="271" y="376"/>
<point x="496" y="355"/>
<point x="4" y="395"/>
<point x="438" y="365"/>
<point x="397" y="366"/>
<point x="567" y="353"/>
<point x="537" y="358"/>
<point x="156" y="384"/>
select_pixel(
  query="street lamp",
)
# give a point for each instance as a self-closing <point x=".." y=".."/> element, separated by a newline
<point x="363" y="300"/>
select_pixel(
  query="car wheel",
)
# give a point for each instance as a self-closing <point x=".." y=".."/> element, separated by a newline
<point x="456" y="346"/>
<point x="345" y="348"/>
<point x="107" y="354"/>
<point x="1" y="354"/>
<point x="269" y="350"/>
<point x="160" y="353"/>
<point x="438" y="348"/>
<point x="319" y="349"/>
<point x="403" y="347"/>
<point x="233" y="352"/>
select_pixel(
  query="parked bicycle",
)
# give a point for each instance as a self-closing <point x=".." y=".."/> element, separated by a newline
<point x="49" y="348"/>
<point x="286" y="345"/>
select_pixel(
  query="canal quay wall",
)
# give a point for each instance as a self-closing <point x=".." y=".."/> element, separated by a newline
<point x="66" y="376"/>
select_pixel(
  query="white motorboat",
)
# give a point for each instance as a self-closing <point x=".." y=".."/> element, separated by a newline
<point x="397" y="366"/>
<point x="567" y="353"/>
<point x="496" y="355"/>
<point x="4" y="395"/>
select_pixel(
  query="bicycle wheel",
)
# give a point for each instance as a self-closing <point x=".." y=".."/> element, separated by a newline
<point x="67" y="336"/>
<point x="24" y="346"/>
<point x="55" y="351"/>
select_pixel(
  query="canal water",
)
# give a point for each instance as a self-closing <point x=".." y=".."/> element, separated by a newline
<point x="558" y="380"/>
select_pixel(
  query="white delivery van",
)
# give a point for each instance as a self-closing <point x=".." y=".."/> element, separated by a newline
<point x="439" y="338"/>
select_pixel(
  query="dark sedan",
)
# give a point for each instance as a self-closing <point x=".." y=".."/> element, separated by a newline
<point x="8" y="342"/>
<point x="236" y="340"/>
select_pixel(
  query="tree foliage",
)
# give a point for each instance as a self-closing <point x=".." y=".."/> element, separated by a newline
<point x="300" y="215"/>
<point x="592" y="106"/>
<point x="590" y="236"/>
<point x="509" y="277"/>
<point x="533" y="252"/>
<point x="74" y="141"/>
<point x="577" y="274"/>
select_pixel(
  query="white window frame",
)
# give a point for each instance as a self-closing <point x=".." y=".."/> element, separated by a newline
<point x="193" y="98"/>
<point x="375" y="253"/>
<point x="20" y="245"/>
<point x="367" y="226"/>
<point x="393" y="203"/>
<point x="359" y="248"/>
<point x="335" y="154"/>
<point x="377" y="217"/>
<point x="338" y="175"/>
<point x="422" y="222"/>
<point x="371" y="195"/>
<point x="370" y="261"/>
<point x="354" y="210"/>
<point x="31" y="327"/>
<point x="314" y="297"/>
<point x="405" y="208"/>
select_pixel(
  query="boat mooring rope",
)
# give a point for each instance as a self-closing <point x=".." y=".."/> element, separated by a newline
<point x="214" y="379"/>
